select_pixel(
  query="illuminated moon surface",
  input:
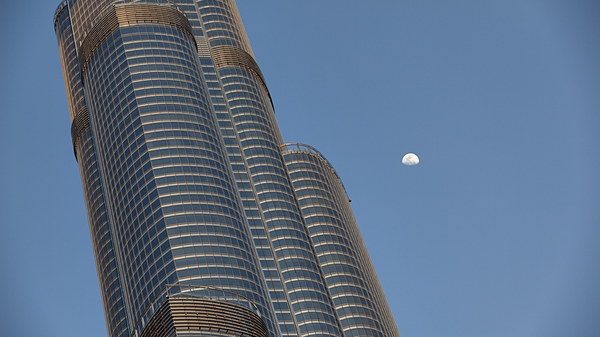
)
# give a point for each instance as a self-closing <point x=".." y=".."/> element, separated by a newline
<point x="410" y="159"/>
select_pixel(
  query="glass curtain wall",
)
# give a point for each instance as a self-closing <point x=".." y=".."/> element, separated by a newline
<point x="188" y="182"/>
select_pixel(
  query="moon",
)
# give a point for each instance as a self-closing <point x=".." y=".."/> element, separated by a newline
<point x="410" y="159"/>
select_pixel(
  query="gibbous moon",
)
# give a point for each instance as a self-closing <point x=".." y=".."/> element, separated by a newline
<point x="410" y="159"/>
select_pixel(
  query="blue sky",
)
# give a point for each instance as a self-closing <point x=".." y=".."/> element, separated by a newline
<point x="495" y="232"/>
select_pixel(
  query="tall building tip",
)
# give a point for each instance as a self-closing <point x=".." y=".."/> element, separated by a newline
<point x="59" y="10"/>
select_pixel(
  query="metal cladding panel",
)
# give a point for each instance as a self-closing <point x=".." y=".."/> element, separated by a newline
<point x="128" y="14"/>
<point x="183" y="315"/>
<point x="224" y="56"/>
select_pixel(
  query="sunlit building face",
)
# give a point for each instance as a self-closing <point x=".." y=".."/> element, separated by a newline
<point x="204" y="223"/>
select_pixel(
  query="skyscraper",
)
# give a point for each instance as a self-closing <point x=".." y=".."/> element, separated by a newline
<point x="204" y="222"/>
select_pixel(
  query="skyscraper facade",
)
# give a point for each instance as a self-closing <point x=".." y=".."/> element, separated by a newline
<point x="203" y="221"/>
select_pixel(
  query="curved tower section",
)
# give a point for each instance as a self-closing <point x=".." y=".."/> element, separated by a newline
<point x="243" y="106"/>
<point x="168" y="182"/>
<point x="203" y="222"/>
<point x="343" y="257"/>
<point x="203" y="311"/>
<point x="85" y="153"/>
<point x="148" y="136"/>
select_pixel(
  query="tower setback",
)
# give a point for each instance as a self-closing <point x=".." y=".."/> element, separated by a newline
<point x="203" y="221"/>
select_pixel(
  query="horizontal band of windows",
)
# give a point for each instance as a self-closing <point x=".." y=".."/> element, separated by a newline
<point x="284" y="223"/>
<point x="340" y="268"/>
<point x="178" y="83"/>
<point x="203" y="189"/>
<point x="281" y="214"/>
<point x="298" y="262"/>
<point x="174" y="134"/>
<point x="317" y="210"/>
<point x="327" y="228"/>
<point x="346" y="290"/>
<point x="177" y="99"/>
<point x="269" y="196"/>
<point x="199" y="178"/>
<point x="311" y="183"/>
<point x="329" y="238"/>
<point x="321" y="219"/>
<point x="232" y="150"/>
<point x="242" y="95"/>
<point x="239" y="168"/>
<point x="178" y="233"/>
<point x="317" y="202"/>
<point x="308" y="175"/>
<point x="362" y="332"/>
<point x="301" y="274"/>
<point x="181" y="170"/>
<point x="184" y="61"/>
<point x="216" y="260"/>
<point x="199" y="210"/>
<point x="209" y="151"/>
<point x="311" y="306"/>
<point x="268" y="161"/>
<point x="153" y="48"/>
<point x="304" y="284"/>
<point x="219" y="250"/>
<point x="248" y="130"/>
<point x="208" y="7"/>
<point x="241" y="87"/>
<point x="305" y="166"/>
<point x="260" y="143"/>
<point x="257" y="169"/>
<point x="255" y="153"/>
<point x="325" y="259"/>
<point x="261" y="242"/>
<point x="215" y="25"/>
<point x="232" y="74"/>
<point x="234" y="284"/>
<point x="287" y="232"/>
<point x="319" y="327"/>
<point x="276" y="183"/>
<point x="355" y="310"/>
<point x="207" y="272"/>
<point x="293" y="252"/>
<point x="244" y="102"/>
<point x="140" y="71"/>
<point x="290" y="242"/>
<point x="309" y="191"/>
<point x="207" y="15"/>
<point x="344" y="279"/>
<point x="315" y="316"/>
<point x="253" y="134"/>
<point x="148" y="127"/>
<point x="269" y="205"/>
<point x="252" y="213"/>
<point x="362" y="322"/>
<point x="250" y="114"/>
<point x="209" y="219"/>
<point x="184" y="161"/>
